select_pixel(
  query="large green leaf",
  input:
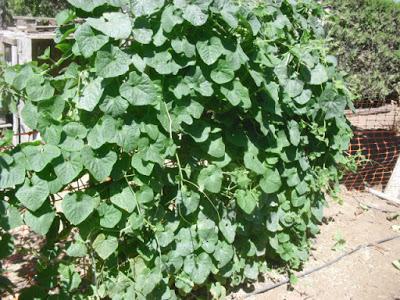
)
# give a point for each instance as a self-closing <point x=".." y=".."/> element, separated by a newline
<point x="210" y="178"/>
<point x="216" y="147"/>
<point x="318" y="75"/>
<point x="38" y="157"/>
<point x="29" y="114"/>
<point x="91" y="95"/>
<point x="145" y="7"/>
<point x="237" y="94"/>
<point x="99" y="163"/>
<point x="271" y="182"/>
<point x="198" y="267"/>
<point x="194" y="81"/>
<point x="69" y="277"/>
<point x="113" y="24"/>
<point x="109" y="215"/>
<point x="210" y="50"/>
<point x="223" y="73"/>
<point x="251" y="160"/>
<point x="304" y="97"/>
<point x="207" y="232"/>
<point x="88" y="41"/>
<point x="77" y="249"/>
<point x="294" y="133"/>
<point x="127" y="137"/>
<point x="38" y="93"/>
<point x="140" y="90"/>
<point x="331" y="103"/>
<point x="78" y="207"/>
<point x="40" y="221"/>
<point x="228" y="229"/>
<point x="223" y="253"/>
<point x="163" y="63"/>
<point x="170" y="18"/>
<point x="103" y="132"/>
<point x="145" y="195"/>
<point x="159" y="38"/>
<point x="142" y="35"/>
<point x="105" y="245"/>
<point x="228" y="11"/>
<point x="292" y="175"/>
<point x="144" y="168"/>
<point x="189" y="199"/>
<point x="183" y="46"/>
<point x="87" y="5"/>
<point x="123" y="196"/>
<point x="195" y="15"/>
<point x="114" y="106"/>
<point x="246" y="200"/>
<point x="69" y="167"/>
<point x="10" y="175"/>
<point x="33" y="193"/>
<point x="112" y="63"/>
<point x="186" y="242"/>
<point x="294" y="87"/>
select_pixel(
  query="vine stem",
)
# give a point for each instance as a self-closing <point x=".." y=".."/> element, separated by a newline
<point x="134" y="196"/>
<point x="178" y="162"/>
<point x="205" y="195"/>
<point x="144" y="219"/>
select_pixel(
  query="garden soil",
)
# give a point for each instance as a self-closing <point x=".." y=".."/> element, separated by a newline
<point x="366" y="274"/>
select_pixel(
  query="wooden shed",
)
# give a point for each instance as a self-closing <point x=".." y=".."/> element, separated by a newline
<point x="20" y="44"/>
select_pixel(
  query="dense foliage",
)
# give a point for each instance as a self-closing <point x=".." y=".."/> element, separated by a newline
<point x="42" y="8"/>
<point x="201" y="135"/>
<point x="366" y="38"/>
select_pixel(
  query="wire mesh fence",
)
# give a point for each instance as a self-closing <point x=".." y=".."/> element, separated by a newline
<point x="376" y="143"/>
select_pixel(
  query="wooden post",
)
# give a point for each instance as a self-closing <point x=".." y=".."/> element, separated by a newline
<point x="14" y="55"/>
<point x="24" y="46"/>
<point x="14" y="61"/>
<point x="393" y="187"/>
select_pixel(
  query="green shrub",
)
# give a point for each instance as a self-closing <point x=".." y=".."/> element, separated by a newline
<point x="210" y="133"/>
<point x="365" y="36"/>
<point x="42" y="8"/>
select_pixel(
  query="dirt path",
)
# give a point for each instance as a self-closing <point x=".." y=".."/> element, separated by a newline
<point x="366" y="274"/>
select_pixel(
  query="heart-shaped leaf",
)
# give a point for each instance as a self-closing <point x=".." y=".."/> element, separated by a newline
<point x="40" y="221"/>
<point x="77" y="207"/>
<point x="33" y="193"/>
<point x="38" y="157"/>
<point x="88" y="41"/>
<point x="105" y="246"/>
<point x="113" y="24"/>
<point x="99" y="163"/>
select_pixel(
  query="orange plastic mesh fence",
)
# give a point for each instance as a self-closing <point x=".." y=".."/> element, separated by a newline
<point x="376" y="138"/>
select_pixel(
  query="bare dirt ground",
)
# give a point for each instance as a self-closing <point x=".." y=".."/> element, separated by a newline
<point x="366" y="274"/>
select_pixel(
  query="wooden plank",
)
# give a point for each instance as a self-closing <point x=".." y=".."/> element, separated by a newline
<point x="9" y="41"/>
<point x="14" y="55"/>
<point x="393" y="187"/>
<point x="370" y="111"/>
<point x="24" y="50"/>
<point x="383" y="196"/>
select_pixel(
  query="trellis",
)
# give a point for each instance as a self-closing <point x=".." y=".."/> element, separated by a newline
<point x="377" y="142"/>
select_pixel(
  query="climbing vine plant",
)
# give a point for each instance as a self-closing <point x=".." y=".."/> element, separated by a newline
<point x="185" y="146"/>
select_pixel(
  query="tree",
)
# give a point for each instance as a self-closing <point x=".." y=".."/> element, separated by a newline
<point x="42" y="8"/>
